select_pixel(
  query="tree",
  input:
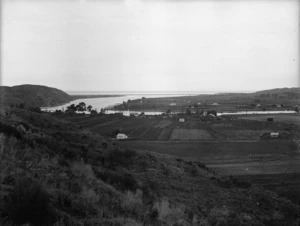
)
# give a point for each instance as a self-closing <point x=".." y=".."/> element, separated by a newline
<point x="89" y="108"/>
<point x="213" y="112"/>
<point x="125" y="105"/>
<point x="22" y="106"/>
<point x="81" y="106"/>
<point x="168" y="111"/>
<point x="93" y="112"/>
<point x="188" y="111"/>
<point x="71" y="108"/>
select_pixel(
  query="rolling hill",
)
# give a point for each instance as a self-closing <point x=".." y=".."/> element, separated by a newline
<point x="32" y="95"/>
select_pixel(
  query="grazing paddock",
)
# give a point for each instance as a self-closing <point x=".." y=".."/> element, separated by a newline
<point x="190" y="134"/>
<point x="163" y="124"/>
<point x="217" y="152"/>
<point x="291" y="118"/>
<point x="240" y="134"/>
<point x="165" y="134"/>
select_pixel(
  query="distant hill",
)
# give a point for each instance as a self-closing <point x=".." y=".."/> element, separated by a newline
<point x="32" y="95"/>
<point x="290" y="93"/>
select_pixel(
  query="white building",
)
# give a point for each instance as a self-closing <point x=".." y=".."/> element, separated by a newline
<point x="121" y="136"/>
<point x="181" y="120"/>
<point x="274" y="134"/>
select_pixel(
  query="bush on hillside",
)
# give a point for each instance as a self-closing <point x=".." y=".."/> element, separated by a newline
<point x="133" y="202"/>
<point x="28" y="202"/>
<point x="82" y="170"/>
<point x="121" y="181"/>
<point x="10" y="131"/>
<point x="118" y="157"/>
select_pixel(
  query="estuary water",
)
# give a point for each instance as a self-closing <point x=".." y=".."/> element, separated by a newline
<point x="105" y="102"/>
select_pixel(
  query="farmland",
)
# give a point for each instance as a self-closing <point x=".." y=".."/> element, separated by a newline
<point x="194" y="128"/>
<point x="229" y="145"/>
<point x="234" y="146"/>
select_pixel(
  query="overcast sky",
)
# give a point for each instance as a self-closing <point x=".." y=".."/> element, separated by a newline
<point x="151" y="45"/>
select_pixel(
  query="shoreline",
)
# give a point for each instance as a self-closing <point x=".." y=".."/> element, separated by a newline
<point x="77" y="97"/>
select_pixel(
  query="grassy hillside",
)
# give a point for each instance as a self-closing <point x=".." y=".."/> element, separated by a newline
<point x="56" y="173"/>
<point x="32" y="95"/>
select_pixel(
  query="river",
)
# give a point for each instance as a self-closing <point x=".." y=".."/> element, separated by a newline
<point x="105" y="102"/>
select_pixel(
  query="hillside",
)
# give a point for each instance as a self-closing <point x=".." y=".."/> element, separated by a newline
<point x="54" y="172"/>
<point x="283" y="93"/>
<point x="224" y="102"/>
<point x="32" y="95"/>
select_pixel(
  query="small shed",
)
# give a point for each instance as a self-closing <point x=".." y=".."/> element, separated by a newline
<point x="274" y="134"/>
<point x="121" y="136"/>
<point x="181" y="119"/>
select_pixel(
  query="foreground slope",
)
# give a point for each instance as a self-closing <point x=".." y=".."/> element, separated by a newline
<point x="54" y="172"/>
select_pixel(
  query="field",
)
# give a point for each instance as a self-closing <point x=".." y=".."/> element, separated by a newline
<point x="273" y="165"/>
<point x="229" y="145"/>
<point x="190" y="134"/>
<point x="281" y="118"/>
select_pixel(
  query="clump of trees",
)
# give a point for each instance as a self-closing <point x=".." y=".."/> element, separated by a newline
<point x="81" y="107"/>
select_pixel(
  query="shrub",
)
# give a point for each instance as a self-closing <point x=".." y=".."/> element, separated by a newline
<point x="128" y="182"/>
<point x="122" y="181"/>
<point x="10" y="131"/>
<point x="118" y="157"/>
<point x="192" y="170"/>
<point x="202" y="165"/>
<point x="218" y="216"/>
<point x="29" y="203"/>
<point x="133" y="202"/>
<point x="82" y="170"/>
<point x="167" y="213"/>
<point x="89" y="200"/>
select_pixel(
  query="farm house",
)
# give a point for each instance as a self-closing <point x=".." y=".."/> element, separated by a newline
<point x="181" y="120"/>
<point x="274" y="134"/>
<point x="121" y="136"/>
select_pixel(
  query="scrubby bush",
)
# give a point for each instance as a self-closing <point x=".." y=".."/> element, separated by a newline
<point x="10" y="131"/>
<point x="28" y="202"/>
<point x="218" y="216"/>
<point x="192" y="170"/>
<point x="133" y="202"/>
<point x="168" y="214"/>
<point x="82" y="170"/>
<point x="89" y="199"/>
<point x="122" y="181"/>
<point x="119" y="157"/>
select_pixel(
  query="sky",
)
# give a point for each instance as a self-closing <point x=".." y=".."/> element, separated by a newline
<point x="151" y="45"/>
